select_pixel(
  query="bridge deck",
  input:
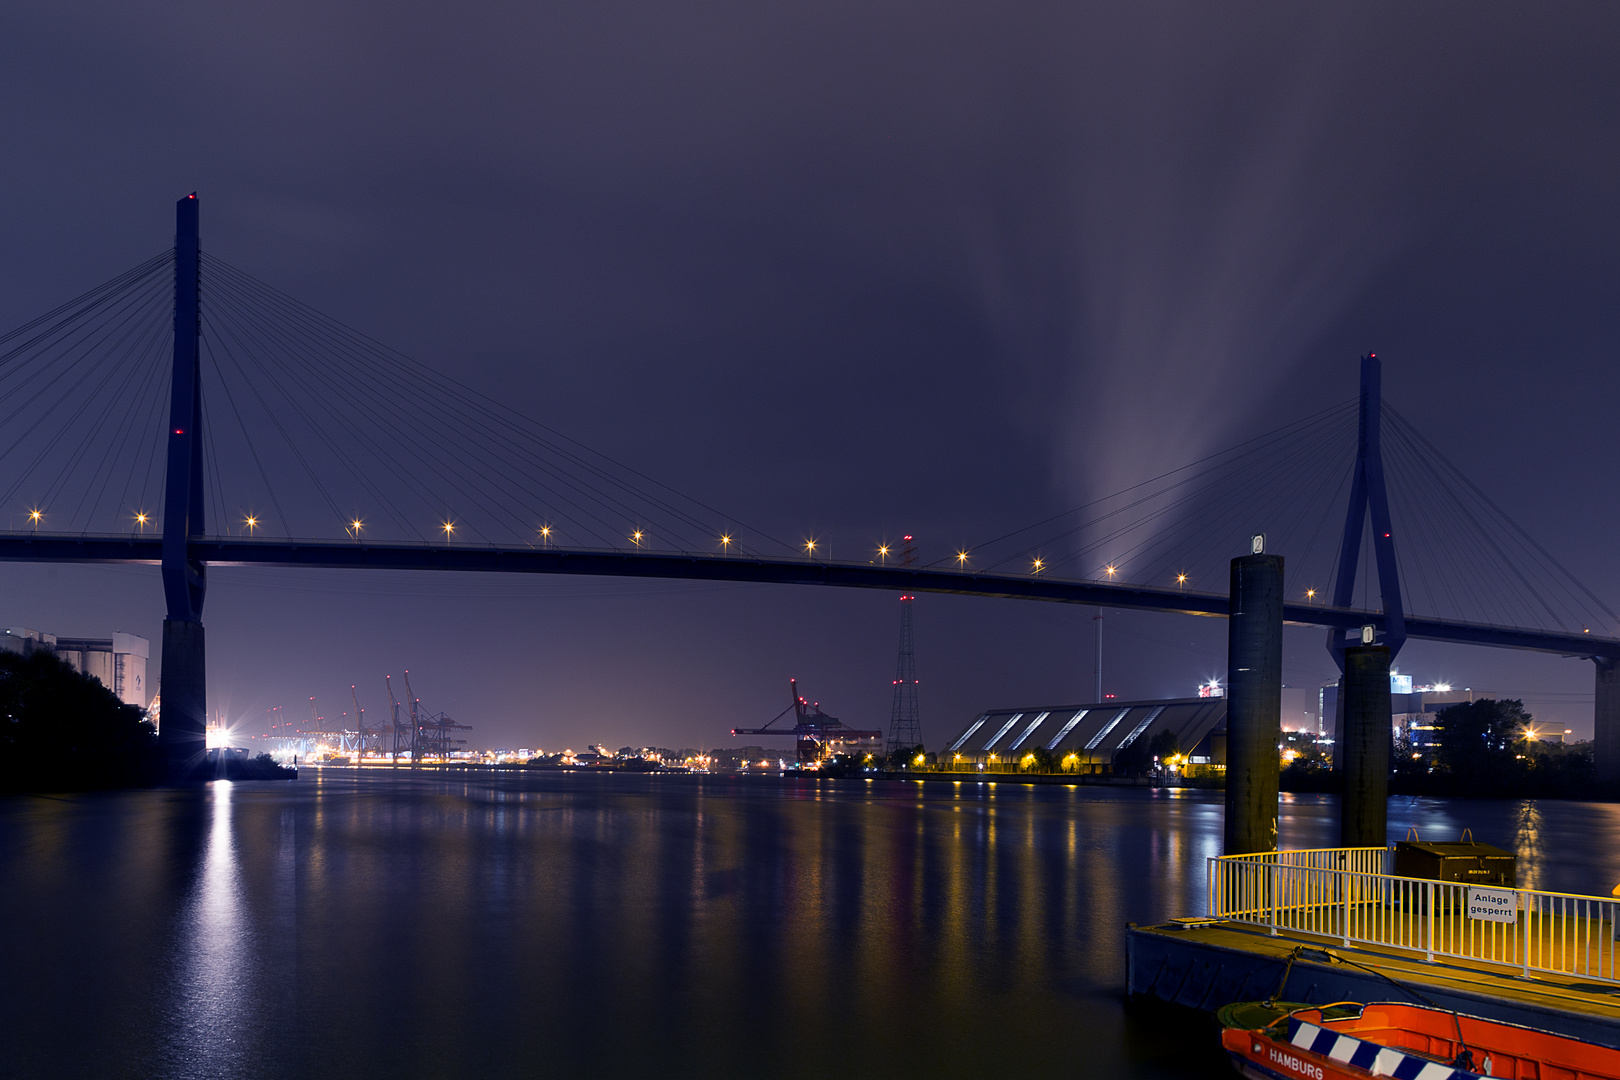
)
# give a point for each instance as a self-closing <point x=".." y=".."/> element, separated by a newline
<point x="237" y="551"/>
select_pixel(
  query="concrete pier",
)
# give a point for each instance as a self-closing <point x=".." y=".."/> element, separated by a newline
<point x="183" y="723"/>
<point x="1363" y="749"/>
<point x="1606" y="721"/>
<point x="1205" y="966"/>
<point x="1254" y="703"/>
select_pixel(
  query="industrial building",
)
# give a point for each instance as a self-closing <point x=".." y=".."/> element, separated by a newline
<point x="1413" y="709"/>
<point x="1085" y="738"/>
<point x="118" y="662"/>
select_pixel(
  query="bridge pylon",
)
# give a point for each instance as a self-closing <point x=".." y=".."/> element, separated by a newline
<point x="1364" y="718"/>
<point x="183" y="732"/>
<point x="1368" y="493"/>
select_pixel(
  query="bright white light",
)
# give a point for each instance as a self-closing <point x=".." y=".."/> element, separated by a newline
<point x="218" y="737"/>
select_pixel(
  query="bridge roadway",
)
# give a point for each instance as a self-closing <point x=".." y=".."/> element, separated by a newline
<point x="350" y="555"/>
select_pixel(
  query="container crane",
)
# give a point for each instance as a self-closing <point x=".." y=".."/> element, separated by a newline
<point x="401" y="741"/>
<point x="817" y="735"/>
<point x="416" y="722"/>
<point x="363" y="737"/>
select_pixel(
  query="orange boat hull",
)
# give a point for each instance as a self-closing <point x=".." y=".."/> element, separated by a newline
<point x="1408" y="1042"/>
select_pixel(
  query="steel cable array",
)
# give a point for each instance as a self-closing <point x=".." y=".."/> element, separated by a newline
<point x="382" y="439"/>
<point x="313" y="430"/>
<point x="1469" y="559"/>
<point x="85" y="384"/>
<point x="1179" y="529"/>
<point x="1460" y="556"/>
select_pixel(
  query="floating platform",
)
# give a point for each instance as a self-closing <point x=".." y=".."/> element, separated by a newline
<point x="1207" y="963"/>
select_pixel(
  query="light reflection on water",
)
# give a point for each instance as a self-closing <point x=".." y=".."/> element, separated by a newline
<point x="403" y="926"/>
<point x="213" y="958"/>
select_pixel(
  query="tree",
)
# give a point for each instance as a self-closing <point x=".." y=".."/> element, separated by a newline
<point x="903" y="757"/>
<point x="1478" y="738"/>
<point x="61" y="730"/>
<point x="1407" y="762"/>
<point x="1137" y="758"/>
<point x="1039" y="760"/>
<point x="1164" y="745"/>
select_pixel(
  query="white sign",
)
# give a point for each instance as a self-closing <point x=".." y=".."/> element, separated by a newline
<point x="1493" y="905"/>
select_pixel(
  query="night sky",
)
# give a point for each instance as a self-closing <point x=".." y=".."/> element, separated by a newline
<point x="850" y="271"/>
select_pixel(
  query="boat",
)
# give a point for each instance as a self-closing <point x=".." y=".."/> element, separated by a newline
<point x="1349" y="1041"/>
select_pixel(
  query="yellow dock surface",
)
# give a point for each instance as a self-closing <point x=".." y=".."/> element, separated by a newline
<point x="1206" y="965"/>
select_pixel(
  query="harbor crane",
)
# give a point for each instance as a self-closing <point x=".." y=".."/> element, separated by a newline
<point x="817" y="735"/>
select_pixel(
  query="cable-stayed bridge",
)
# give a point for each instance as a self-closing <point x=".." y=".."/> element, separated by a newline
<point x="266" y="433"/>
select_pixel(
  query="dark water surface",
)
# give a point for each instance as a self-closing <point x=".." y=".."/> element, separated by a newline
<point x="608" y="925"/>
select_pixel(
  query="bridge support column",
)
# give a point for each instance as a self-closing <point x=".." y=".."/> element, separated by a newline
<point x="1253" y="702"/>
<point x="1363" y="748"/>
<point x="183" y="723"/>
<point x="1606" y="721"/>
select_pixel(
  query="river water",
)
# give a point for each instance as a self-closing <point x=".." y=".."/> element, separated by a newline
<point x="561" y="925"/>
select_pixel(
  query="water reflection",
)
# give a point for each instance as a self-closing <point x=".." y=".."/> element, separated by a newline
<point x="211" y="1004"/>
<point x="406" y="926"/>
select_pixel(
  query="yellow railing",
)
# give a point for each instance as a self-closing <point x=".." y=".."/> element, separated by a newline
<point x="1344" y="893"/>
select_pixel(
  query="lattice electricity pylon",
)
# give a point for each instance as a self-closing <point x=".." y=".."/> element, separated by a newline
<point x="905" y="721"/>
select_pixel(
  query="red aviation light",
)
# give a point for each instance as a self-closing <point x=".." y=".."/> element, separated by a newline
<point x="177" y="431"/>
